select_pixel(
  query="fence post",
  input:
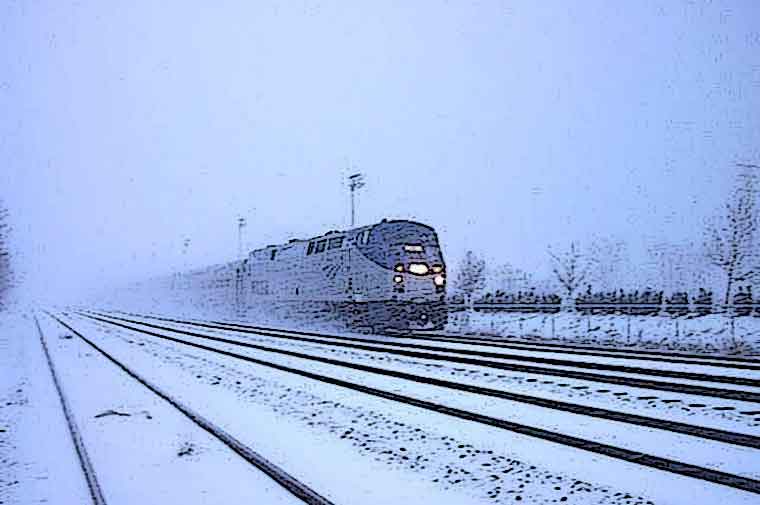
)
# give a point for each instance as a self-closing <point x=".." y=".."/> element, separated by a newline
<point x="677" y="329"/>
<point x="554" y="316"/>
<point x="628" y="327"/>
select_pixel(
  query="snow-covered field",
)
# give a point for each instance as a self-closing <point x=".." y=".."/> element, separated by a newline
<point x="740" y="461"/>
<point x="348" y="446"/>
<point x="716" y="333"/>
<point x="142" y="450"/>
<point x="38" y="463"/>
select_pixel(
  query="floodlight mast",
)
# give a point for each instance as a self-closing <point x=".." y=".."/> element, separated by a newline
<point x="241" y="224"/>
<point x="355" y="182"/>
<point x="185" y="246"/>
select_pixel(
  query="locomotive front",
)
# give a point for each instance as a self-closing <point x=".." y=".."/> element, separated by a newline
<point x="412" y="283"/>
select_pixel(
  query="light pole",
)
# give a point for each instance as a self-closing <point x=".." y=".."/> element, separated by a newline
<point x="185" y="246"/>
<point x="241" y="225"/>
<point x="355" y="182"/>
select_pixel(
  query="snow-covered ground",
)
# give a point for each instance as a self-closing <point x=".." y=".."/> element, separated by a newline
<point x="348" y="446"/>
<point x="597" y="468"/>
<point x="736" y="460"/>
<point x="716" y="333"/>
<point x="301" y="426"/>
<point x="38" y="462"/>
<point x="142" y="449"/>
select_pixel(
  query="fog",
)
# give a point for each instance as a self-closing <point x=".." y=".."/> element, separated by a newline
<point x="127" y="128"/>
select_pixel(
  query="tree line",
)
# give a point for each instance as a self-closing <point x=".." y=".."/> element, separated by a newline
<point x="730" y="249"/>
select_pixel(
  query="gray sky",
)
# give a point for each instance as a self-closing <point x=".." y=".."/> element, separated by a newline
<point x="125" y="127"/>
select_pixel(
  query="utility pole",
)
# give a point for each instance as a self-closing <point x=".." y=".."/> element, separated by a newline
<point x="355" y="182"/>
<point x="241" y="225"/>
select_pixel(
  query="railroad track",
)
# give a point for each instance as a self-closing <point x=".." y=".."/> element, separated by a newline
<point x="469" y="357"/>
<point x="637" y="457"/>
<point x="93" y="486"/>
<point x="733" y="362"/>
<point x="675" y="427"/>
<point x="287" y="481"/>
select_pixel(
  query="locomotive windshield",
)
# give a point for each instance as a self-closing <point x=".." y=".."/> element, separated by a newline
<point x="403" y="242"/>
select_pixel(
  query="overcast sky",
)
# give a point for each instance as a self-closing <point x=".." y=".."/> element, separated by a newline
<point x="508" y="126"/>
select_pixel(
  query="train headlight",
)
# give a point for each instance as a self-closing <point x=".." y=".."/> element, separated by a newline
<point x="439" y="280"/>
<point x="399" y="267"/>
<point x="437" y="269"/>
<point x="418" y="268"/>
<point x="398" y="279"/>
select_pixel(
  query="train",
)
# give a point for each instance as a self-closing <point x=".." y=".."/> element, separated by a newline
<point x="388" y="276"/>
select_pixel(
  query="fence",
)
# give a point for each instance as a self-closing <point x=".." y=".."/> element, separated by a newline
<point x="727" y="329"/>
<point x="648" y="309"/>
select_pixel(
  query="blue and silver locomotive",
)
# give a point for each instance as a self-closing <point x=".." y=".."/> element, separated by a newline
<point x="387" y="276"/>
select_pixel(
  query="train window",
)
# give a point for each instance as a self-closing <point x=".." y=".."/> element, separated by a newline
<point x="274" y="253"/>
<point x="310" y="249"/>
<point x="321" y="246"/>
<point x="363" y="237"/>
<point x="335" y="243"/>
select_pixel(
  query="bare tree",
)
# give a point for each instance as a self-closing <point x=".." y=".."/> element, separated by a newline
<point x="570" y="268"/>
<point x="5" y="266"/>
<point x="606" y="263"/>
<point x="510" y="279"/>
<point x="730" y="235"/>
<point x="471" y="276"/>
<point x="673" y="267"/>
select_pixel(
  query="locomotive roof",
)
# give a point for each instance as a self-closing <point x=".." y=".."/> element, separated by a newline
<point x="331" y="233"/>
<point x="232" y="265"/>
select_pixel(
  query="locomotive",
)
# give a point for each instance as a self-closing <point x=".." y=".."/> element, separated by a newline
<point x="387" y="276"/>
